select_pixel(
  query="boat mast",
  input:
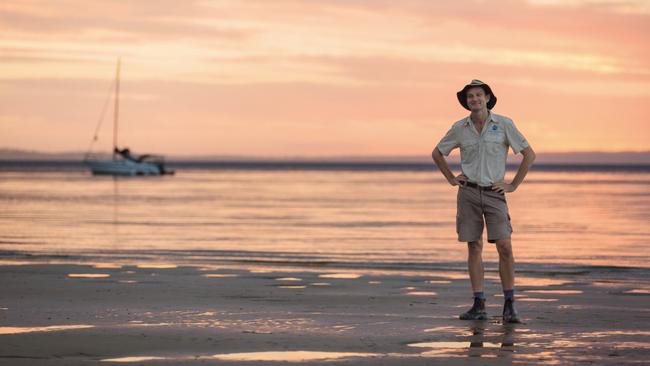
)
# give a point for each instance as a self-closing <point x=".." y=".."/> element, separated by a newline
<point x="116" y="109"/>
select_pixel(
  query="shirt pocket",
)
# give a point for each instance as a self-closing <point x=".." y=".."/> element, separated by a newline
<point x="468" y="151"/>
<point x="495" y="137"/>
<point x="495" y="143"/>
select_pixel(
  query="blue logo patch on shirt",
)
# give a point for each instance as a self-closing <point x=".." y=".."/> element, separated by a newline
<point x="494" y="127"/>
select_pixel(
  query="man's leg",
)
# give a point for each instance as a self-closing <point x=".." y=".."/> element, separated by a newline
<point x="497" y="220"/>
<point x="506" y="264"/>
<point x="469" y="225"/>
<point x="475" y="266"/>
<point x="507" y="274"/>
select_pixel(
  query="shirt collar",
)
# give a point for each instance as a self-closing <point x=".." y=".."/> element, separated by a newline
<point x="490" y="118"/>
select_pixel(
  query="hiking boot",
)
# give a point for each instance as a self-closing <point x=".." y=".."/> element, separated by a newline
<point x="477" y="312"/>
<point x="510" y="314"/>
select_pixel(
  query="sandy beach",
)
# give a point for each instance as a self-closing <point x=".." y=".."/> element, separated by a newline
<point x="113" y="313"/>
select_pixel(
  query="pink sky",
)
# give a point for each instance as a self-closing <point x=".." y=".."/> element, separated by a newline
<point x="321" y="78"/>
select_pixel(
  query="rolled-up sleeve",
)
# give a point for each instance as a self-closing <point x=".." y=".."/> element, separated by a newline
<point x="516" y="139"/>
<point x="449" y="142"/>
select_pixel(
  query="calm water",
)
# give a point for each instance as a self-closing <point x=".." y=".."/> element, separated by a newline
<point x="354" y="218"/>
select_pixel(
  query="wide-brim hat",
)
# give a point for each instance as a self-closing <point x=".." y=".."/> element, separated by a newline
<point x="462" y="95"/>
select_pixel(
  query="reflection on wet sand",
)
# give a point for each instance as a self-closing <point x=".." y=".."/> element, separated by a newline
<point x="484" y="340"/>
<point x="447" y="329"/>
<point x="638" y="291"/>
<point x="139" y="323"/>
<point x="11" y="262"/>
<point x="624" y="287"/>
<point x="421" y="293"/>
<point x="538" y="281"/>
<point x="100" y="265"/>
<point x="133" y="359"/>
<point x="156" y="265"/>
<point x="559" y="292"/>
<point x="340" y="275"/>
<point x="609" y="283"/>
<point x="270" y="356"/>
<point x="290" y="356"/>
<point x="51" y="328"/>
<point x="220" y="275"/>
<point x="449" y="275"/>
<point x="475" y="341"/>
<point x="643" y="333"/>
<point x="288" y="279"/>
<point x="455" y="345"/>
<point x="88" y="275"/>
<point x="344" y="328"/>
<point x="535" y="299"/>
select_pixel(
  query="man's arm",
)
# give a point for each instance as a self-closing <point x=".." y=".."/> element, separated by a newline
<point x="526" y="162"/>
<point x="441" y="163"/>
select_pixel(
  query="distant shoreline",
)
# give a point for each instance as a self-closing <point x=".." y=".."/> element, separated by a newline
<point x="552" y="158"/>
<point x="311" y="165"/>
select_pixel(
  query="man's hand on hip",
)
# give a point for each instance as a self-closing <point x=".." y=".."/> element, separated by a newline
<point x="503" y="187"/>
<point x="458" y="180"/>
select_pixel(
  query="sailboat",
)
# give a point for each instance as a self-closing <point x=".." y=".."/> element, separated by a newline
<point x="123" y="161"/>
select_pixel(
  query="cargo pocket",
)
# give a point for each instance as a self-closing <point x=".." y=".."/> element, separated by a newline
<point x="459" y="203"/>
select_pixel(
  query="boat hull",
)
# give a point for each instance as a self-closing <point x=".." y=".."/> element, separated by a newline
<point x="123" y="167"/>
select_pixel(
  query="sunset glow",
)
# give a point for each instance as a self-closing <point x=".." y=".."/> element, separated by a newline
<point x="320" y="78"/>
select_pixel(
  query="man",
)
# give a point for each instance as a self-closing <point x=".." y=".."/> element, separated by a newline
<point x="484" y="138"/>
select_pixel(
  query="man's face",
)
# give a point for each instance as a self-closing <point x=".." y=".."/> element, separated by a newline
<point x="477" y="99"/>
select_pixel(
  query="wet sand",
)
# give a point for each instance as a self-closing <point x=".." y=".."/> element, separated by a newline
<point x="77" y="314"/>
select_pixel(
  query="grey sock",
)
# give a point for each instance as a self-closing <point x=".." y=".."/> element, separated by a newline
<point x="509" y="294"/>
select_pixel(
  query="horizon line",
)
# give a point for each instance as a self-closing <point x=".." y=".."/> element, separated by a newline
<point x="302" y="157"/>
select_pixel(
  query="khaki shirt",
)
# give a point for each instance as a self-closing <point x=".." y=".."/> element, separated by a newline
<point x="483" y="156"/>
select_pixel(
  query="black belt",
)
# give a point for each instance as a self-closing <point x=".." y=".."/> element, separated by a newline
<point x="474" y="185"/>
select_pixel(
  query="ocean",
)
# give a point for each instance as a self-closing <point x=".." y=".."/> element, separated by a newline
<point x="379" y="217"/>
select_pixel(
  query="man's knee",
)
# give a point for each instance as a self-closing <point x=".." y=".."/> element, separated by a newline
<point x="504" y="247"/>
<point x="475" y="247"/>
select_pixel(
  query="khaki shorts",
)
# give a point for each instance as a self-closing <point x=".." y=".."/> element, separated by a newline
<point x="474" y="205"/>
